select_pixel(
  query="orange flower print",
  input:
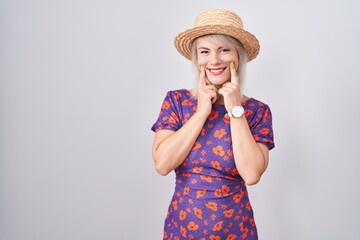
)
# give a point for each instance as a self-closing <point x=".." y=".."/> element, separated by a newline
<point x="234" y="172"/>
<point x="244" y="230"/>
<point x="219" y="133"/>
<point x="248" y="112"/>
<point x="225" y="190"/>
<point x="248" y="206"/>
<point x="177" y="95"/>
<point x="186" y="102"/>
<point x="237" y="197"/>
<point x="176" y="238"/>
<point x="192" y="226"/>
<point x="175" y="223"/>
<point x="200" y="193"/>
<point x="173" y="118"/>
<point x="264" y="131"/>
<point x="165" y="236"/>
<point x="203" y="131"/>
<point x="186" y="174"/>
<point x="166" y="105"/>
<point x="218" y="226"/>
<point x="231" y="237"/>
<point x="213" y="217"/>
<point x="197" y="169"/>
<point x="196" y="146"/>
<point x="216" y="165"/>
<point x="252" y="222"/>
<point x="195" y="162"/>
<point x="174" y="205"/>
<point x="214" y="114"/>
<point x="211" y="205"/>
<point x="218" y="193"/>
<point x="218" y="150"/>
<point x="229" y="177"/>
<point x="198" y="212"/>
<point x="245" y="233"/>
<point x="186" y="191"/>
<point x="203" y="152"/>
<point x="214" y="237"/>
<point x="228" y="213"/>
<point x="226" y="120"/>
<point x="184" y="163"/>
<point x="182" y="215"/>
<point x="206" y="178"/>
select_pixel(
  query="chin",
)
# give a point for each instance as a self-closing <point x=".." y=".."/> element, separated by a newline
<point x="218" y="82"/>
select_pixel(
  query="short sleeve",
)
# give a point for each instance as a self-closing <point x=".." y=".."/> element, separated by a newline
<point x="262" y="130"/>
<point x="169" y="114"/>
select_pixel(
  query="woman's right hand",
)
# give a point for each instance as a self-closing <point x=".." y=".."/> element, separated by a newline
<point x="207" y="94"/>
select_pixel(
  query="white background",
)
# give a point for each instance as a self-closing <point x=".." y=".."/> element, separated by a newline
<point x="81" y="83"/>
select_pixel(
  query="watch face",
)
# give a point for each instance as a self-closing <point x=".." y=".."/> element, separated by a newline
<point x="237" y="111"/>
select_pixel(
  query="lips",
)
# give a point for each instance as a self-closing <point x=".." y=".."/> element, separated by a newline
<point x="216" y="71"/>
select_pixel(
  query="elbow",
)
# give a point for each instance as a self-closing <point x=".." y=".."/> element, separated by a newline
<point x="161" y="170"/>
<point x="252" y="179"/>
<point x="160" y="167"/>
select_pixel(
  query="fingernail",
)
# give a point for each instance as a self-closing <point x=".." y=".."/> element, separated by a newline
<point x="232" y="64"/>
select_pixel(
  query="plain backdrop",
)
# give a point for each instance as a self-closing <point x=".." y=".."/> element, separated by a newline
<point x="81" y="83"/>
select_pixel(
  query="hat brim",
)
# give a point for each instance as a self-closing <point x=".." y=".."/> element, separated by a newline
<point x="183" y="41"/>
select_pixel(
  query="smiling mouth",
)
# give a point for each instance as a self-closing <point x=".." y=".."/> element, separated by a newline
<point x="216" y="71"/>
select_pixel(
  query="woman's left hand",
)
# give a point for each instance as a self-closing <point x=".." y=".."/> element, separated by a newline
<point x="231" y="90"/>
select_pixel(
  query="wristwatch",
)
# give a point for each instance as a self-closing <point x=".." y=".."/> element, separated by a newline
<point x="236" y="112"/>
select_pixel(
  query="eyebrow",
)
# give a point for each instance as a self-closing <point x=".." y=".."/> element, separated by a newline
<point x="209" y="48"/>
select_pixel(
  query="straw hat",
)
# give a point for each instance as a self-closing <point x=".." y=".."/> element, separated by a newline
<point x="217" y="21"/>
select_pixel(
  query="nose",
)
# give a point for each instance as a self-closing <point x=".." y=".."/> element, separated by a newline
<point x="215" y="59"/>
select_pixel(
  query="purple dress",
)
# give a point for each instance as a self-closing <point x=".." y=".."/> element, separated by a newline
<point x="210" y="201"/>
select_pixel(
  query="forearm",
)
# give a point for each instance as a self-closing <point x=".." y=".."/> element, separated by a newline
<point x="172" y="151"/>
<point x="249" y="159"/>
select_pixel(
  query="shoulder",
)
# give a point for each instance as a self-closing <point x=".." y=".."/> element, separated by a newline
<point x="256" y="108"/>
<point x="254" y="103"/>
<point x="180" y="96"/>
<point x="179" y="93"/>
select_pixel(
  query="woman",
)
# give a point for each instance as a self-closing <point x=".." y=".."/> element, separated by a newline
<point x="215" y="138"/>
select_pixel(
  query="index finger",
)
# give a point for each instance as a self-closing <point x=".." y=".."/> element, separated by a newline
<point x="202" y="81"/>
<point x="234" y="76"/>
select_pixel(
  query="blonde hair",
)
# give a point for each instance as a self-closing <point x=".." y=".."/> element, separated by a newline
<point x="219" y="39"/>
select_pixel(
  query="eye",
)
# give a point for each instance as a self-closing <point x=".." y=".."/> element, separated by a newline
<point x="204" y="52"/>
<point x="225" y="50"/>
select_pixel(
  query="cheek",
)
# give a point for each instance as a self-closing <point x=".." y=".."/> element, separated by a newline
<point x="201" y="61"/>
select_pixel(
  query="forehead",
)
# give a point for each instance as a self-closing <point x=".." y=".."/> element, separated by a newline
<point x="213" y="41"/>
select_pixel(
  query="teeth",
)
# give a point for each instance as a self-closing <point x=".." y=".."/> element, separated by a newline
<point x="216" y="70"/>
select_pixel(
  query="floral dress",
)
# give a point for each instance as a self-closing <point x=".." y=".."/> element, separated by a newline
<point x="210" y="201"/>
